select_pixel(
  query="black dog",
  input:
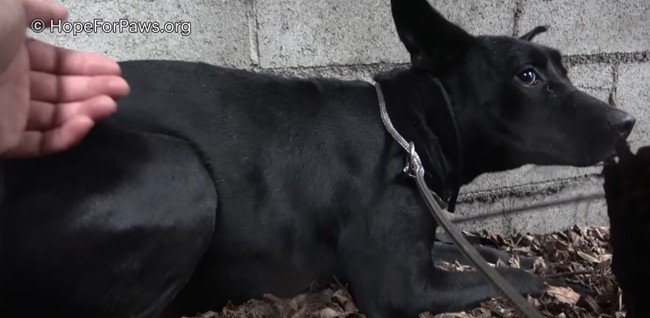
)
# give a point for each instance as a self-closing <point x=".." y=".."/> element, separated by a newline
<point x="627" y="185"/>
<point x="213" y="184"/>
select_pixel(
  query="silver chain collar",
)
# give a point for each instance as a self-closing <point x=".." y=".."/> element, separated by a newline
<point x="414" y="163"/>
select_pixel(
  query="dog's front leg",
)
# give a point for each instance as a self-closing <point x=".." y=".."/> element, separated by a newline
<point x="387" y="262"/>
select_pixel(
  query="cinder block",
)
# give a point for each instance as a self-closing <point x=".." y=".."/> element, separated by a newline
<point x="596" y="79"/>
<point x="540" y="208"/>
<point x="479" y="17"/>
<point x="633" y="95"/>
<point x="294" y="33"/>
<point x="315" y="33"/>
<point x="590" y="26"/>
<point x="219" y="30"/>
<point x="364" y="72"/>
<point x="528" y="174"/>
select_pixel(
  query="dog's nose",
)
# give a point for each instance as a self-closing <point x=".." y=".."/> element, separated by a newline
<point x="624" y="125"/>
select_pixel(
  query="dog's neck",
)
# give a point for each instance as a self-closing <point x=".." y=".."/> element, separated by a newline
<point x="480" y="153"/>
<point x="419" y="112"/>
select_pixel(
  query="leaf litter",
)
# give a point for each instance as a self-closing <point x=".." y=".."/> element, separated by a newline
<point x="575" y="264"/>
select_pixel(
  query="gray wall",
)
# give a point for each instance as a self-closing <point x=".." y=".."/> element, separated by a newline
<point x="606" y="45"/>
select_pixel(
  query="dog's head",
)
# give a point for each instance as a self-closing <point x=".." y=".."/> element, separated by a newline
<point x="513" y="100"/>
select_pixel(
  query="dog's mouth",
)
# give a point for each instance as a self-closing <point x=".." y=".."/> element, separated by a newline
<point x="622" y="152"/>
<point x="574" y="154"/>
<point x="595" y="159"/>
<point x="598" y="161"/>
<point x="607" y="153"/>
<point x="611" y="158"/>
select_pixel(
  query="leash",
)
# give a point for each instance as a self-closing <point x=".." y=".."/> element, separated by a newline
<point x="415" y="169"/>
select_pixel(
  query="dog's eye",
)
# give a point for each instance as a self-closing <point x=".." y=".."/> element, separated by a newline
<point x="528" y="77"/>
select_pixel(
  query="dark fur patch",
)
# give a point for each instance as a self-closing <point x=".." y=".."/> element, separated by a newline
<point x="627" y="186"/>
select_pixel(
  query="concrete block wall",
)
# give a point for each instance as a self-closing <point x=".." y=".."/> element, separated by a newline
<point x="606" y="45"/>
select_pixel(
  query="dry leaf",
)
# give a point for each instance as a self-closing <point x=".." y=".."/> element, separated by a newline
<point x="563" y="294"/>
<point x="452" y="315"/>
<point x="593" y="305"/>
<point x="345" y="300"/>
<point x="328" y="313"/>
<point x="588" y="257"/>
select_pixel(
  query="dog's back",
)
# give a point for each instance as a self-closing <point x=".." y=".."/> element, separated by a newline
<point x="228" y="108"/>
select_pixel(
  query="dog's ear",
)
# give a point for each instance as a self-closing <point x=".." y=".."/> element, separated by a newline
<point x="534" y="32"/>
<point x="433" y="42"/>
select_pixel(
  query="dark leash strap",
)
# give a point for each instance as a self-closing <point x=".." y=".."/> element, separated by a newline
<point x="415" y="169"/>
<point x="460" y="156"/>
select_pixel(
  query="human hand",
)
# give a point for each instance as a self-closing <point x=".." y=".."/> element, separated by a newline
<point x="50" y="97"/>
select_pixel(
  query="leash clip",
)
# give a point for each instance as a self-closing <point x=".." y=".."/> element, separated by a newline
<point x="413" y="163"/>
<point x="410" y="165"/>
<point x="414" y="167"/>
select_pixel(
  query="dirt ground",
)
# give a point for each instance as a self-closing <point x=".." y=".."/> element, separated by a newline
<point x="576" y="263"/>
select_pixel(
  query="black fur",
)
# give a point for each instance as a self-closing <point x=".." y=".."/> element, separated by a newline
<point x="627" y="185"/>
<point x="212" y="184"/>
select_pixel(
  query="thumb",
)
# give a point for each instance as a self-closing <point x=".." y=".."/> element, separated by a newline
<point x="12" y="30"/>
